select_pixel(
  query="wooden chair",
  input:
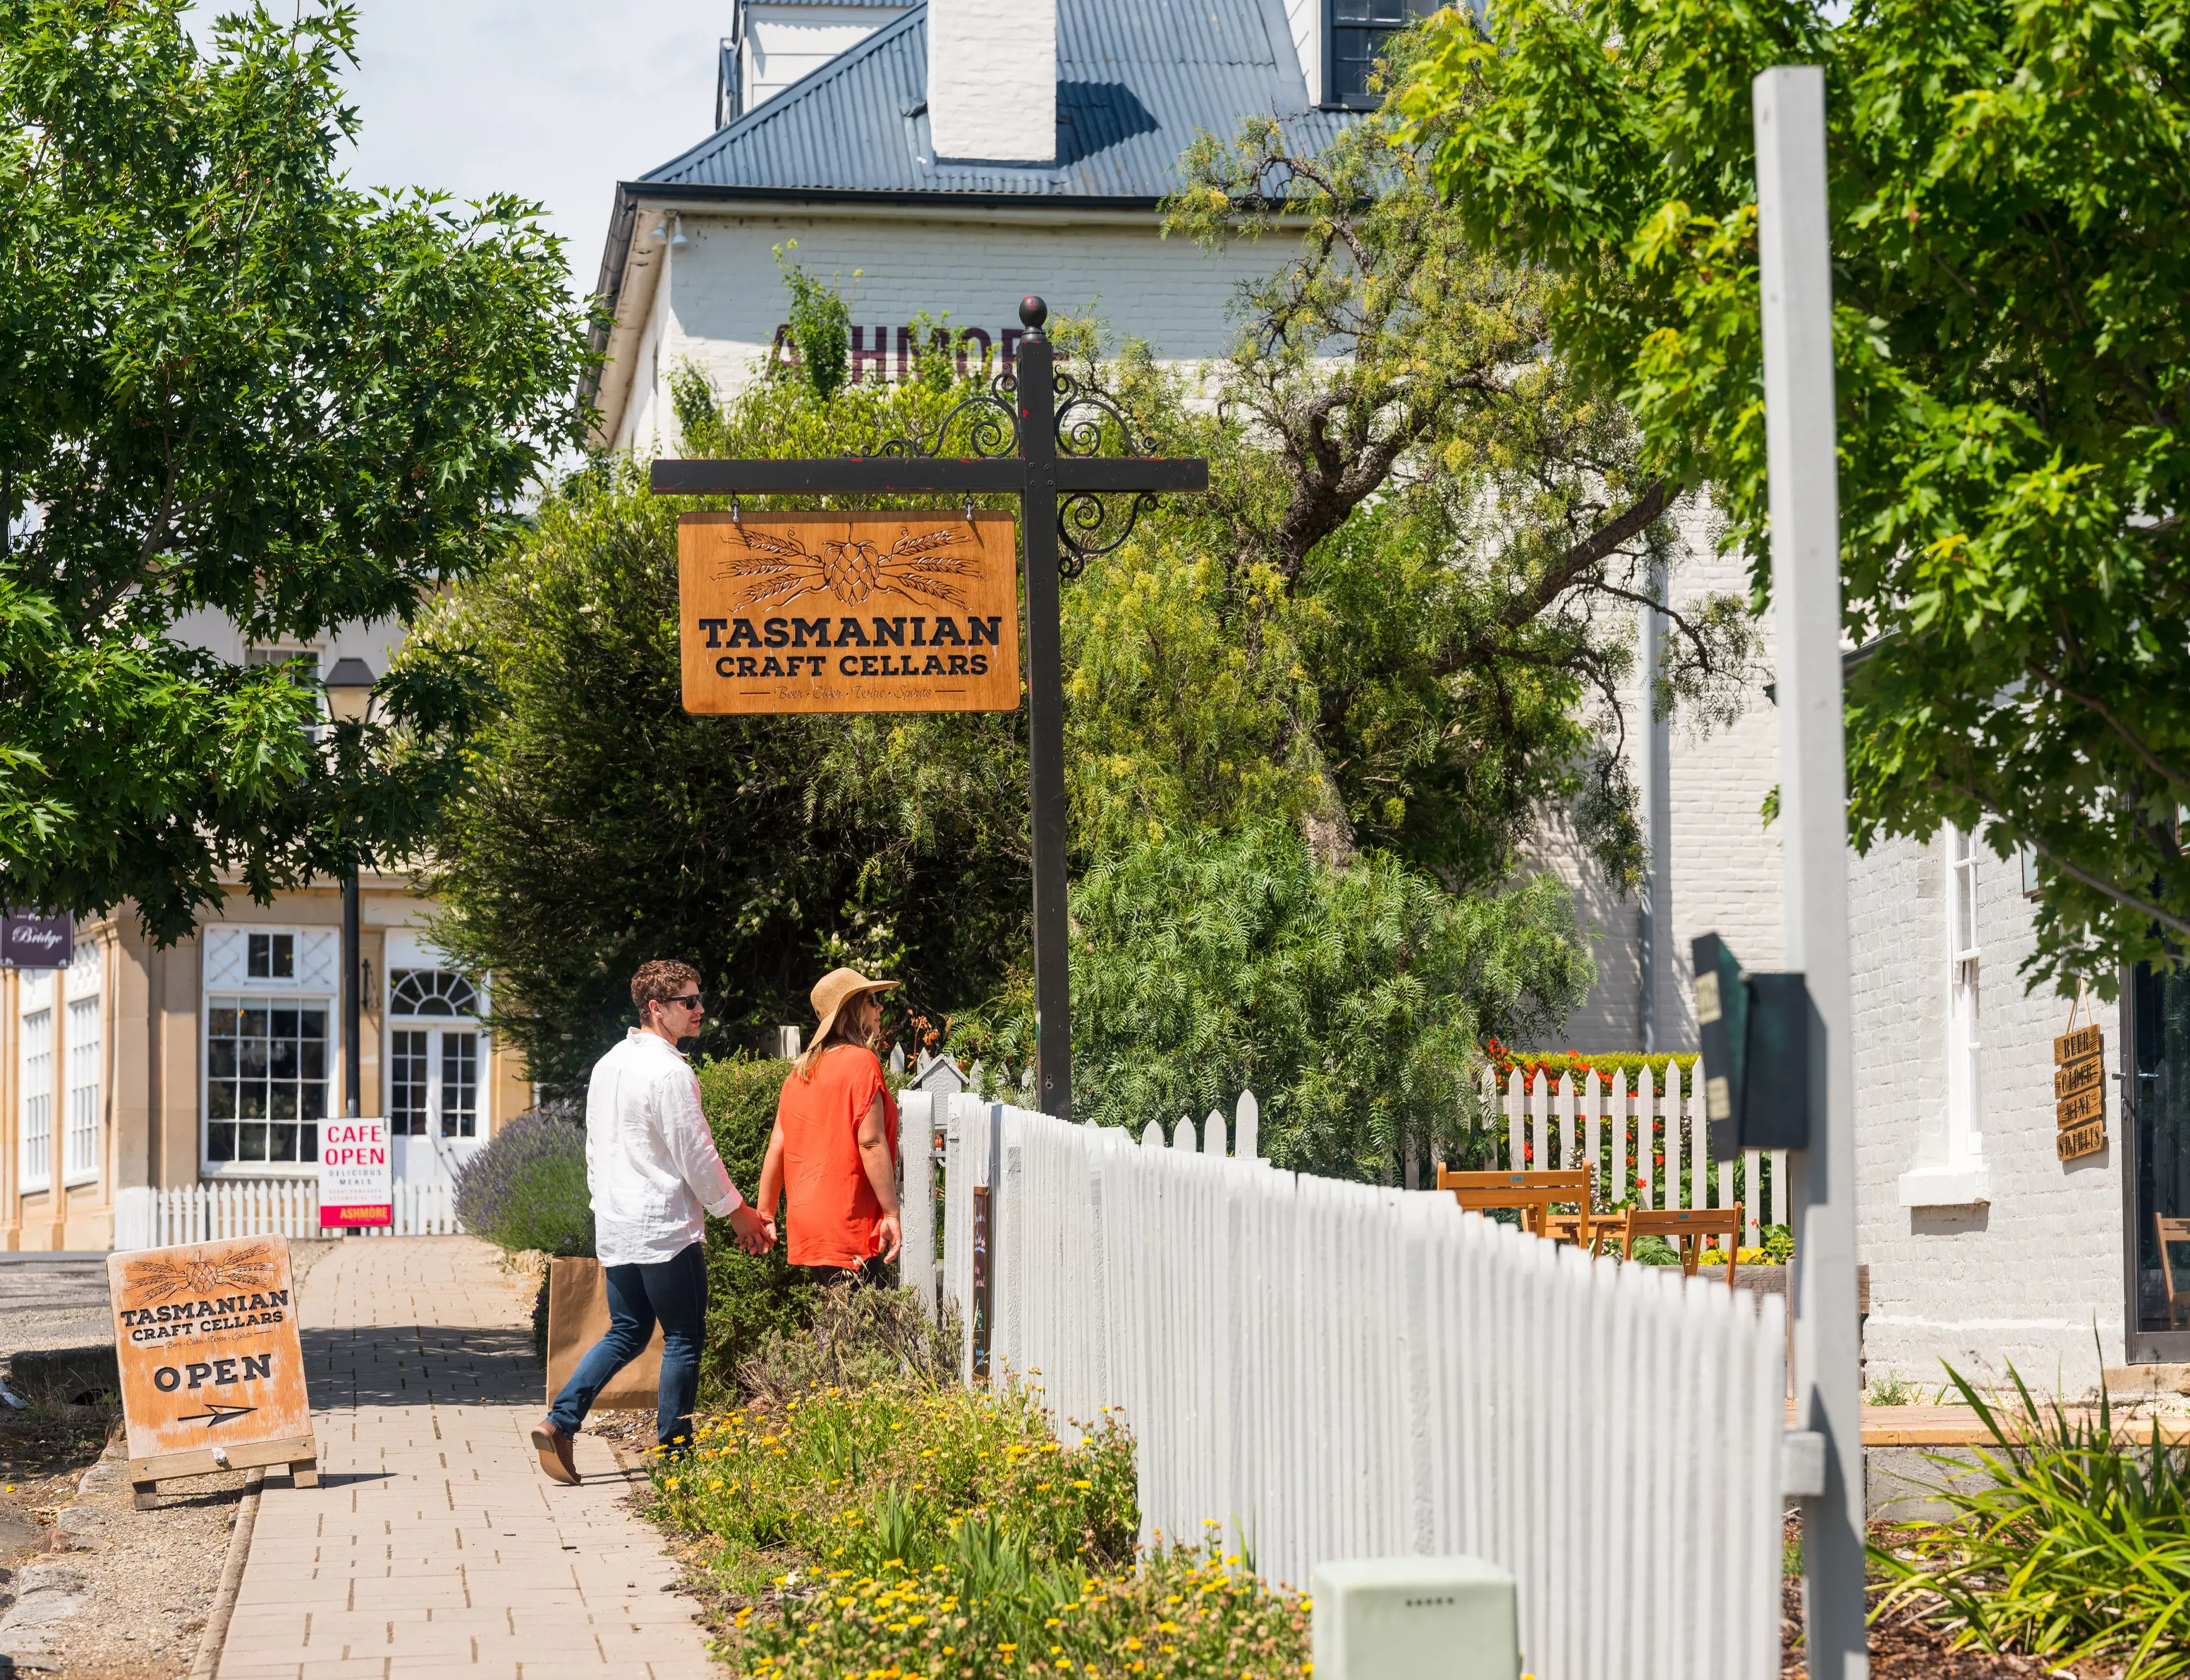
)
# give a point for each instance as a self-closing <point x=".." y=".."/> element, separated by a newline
<point x="2178" y="1300"/>
<point x="1530" y="1194"/>
<point x="1687" y="1227"/>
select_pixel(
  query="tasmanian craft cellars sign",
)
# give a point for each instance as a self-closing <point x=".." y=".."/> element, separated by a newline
<point x="848" y="612"/>
<point x="2080" y="1104"/>
<point x="213" y="1372"/>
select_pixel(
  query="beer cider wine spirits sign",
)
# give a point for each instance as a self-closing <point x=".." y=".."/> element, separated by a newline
<point x="213" y="1372"/>
<point x="848" y="612"/>
<point x="2079" y="1107"/>
<point x="356" y="1184"/>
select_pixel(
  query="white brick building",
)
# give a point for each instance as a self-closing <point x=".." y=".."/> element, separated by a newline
<point x="1028" y="151"/>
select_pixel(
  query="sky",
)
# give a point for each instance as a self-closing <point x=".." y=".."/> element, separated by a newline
<point x="555" y="101"/>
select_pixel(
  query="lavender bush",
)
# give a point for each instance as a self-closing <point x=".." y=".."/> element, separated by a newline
<point x="527" y="1187"/>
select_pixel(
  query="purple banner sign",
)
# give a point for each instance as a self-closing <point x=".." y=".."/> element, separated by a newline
<point x="29" y="940"/>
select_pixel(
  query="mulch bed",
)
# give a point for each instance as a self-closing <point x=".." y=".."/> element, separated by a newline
<point x="1906" y="1647"/>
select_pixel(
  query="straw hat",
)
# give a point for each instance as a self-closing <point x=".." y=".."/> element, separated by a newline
<point x="836" y="989"/>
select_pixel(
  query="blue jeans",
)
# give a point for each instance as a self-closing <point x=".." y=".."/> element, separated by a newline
<point x="673" y="1292"/>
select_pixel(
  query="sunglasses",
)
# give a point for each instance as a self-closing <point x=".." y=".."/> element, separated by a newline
<point x="691" y="1000"/>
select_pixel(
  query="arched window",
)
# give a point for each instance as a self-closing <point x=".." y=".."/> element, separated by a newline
<point x="430" y="991"/>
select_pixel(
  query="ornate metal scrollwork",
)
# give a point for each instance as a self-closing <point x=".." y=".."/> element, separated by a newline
<point x="991" y="434"/>
<point x="1084" y="511"/>
<point x="1088" y="525"/>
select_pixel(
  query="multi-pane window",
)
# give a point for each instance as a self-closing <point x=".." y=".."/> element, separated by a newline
<point x="81" y="1146"/>
<point x="434" y="1070"/>
<point x="407" y="1066"/>
<point x="270" y="956"/>
<point x="1360" y="30"/>
<point x="266" y="1079"/>
<point x="304" y="668"/>
<point x="1963" y="1062"/>
<point x="430" y="991"/>
<point x="459" y="1084"/>
<point x="37" y="1101"/>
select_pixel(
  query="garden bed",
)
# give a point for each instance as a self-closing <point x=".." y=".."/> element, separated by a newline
<point x="903" y="1524"/>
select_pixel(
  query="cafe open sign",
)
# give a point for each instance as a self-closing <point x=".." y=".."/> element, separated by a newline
<point x="357" y="1183"/>
<point x="848" y="612"/>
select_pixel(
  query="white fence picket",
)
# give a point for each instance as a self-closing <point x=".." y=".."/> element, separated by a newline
<point x="162" y="1216"/>
<point x="1329" y="1370"/>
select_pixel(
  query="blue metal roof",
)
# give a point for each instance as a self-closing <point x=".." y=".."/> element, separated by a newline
<point x="1136" y="80"/>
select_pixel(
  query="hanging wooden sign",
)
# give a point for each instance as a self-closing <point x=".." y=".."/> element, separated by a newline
<point x="2073" y="1143"/>
<point x="212" y="1372"/>
<point x="2087" y="1075"/>
<point x="2072" y="1047"/>
<point x="848" y="612"/>
<point x="2079" y="1087"/>
<point x="2080" y="1108"/>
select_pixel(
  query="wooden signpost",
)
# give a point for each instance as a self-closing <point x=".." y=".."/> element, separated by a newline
<point x="2079" y="1086"/>
<point x="848" y="612"/>
<point x="212" y="1372"/>
<point x="1036" y="434"/>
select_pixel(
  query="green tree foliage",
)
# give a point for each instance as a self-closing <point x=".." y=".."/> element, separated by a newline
<point x="1448" y="535"/>
<point x="2008" y="188"/>
<point x="820" y="326"/>
<point x="231" y="382"/>
<point x="604" y="824"/>
<point x="1351" y="1000"/>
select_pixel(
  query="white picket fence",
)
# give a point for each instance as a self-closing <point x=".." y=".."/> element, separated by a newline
<point x="156" y="1217"/>
<point x="1575" y="1124"/>
<point x="1327" y="1370"/>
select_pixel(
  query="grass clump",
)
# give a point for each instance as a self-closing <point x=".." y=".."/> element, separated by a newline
<point x="858" y="1479"/>
<point x="2068" y="1545"/>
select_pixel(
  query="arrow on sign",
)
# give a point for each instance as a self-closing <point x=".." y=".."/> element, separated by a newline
<point x="220" y="1414"/>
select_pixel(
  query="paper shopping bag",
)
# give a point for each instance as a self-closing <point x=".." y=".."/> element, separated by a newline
<point x="578" y="1317"/>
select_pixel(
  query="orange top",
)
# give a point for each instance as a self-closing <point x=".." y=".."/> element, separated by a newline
<point x="834" y="1213"/>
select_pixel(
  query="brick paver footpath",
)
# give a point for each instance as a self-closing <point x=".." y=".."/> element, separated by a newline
<point x="434" y="1545"/>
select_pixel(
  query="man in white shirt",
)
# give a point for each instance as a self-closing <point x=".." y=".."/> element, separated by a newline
<point x="652" y="1166"/>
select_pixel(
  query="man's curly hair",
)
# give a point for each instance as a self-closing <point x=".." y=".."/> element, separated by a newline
<point x="660" y="980"/>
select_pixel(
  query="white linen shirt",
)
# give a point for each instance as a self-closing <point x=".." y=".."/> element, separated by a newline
<point x="651" y="1163"/>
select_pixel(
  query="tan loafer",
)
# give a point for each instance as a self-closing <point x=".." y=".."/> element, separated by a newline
<point x="554" y="1447"/>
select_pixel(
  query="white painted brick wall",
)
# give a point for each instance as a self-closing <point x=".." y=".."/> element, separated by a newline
<point x="2026" y="1277"/>
<point x="1725" y="869"/>
<point x="725" y="298"/>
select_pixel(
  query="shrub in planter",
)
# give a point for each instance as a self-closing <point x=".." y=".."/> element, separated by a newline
<point x="749" y="1297"/>
<point x="527" y="1187"/>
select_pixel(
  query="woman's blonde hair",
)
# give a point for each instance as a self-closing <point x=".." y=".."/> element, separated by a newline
<point x="841" y="1031"/>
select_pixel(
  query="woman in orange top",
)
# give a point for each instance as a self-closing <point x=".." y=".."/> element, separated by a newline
<point x="834" y="1148"/>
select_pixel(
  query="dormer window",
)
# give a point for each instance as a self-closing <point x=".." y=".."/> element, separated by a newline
<point x="1355" y="34"/>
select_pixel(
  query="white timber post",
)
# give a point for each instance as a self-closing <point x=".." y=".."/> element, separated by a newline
<point x="1795" y="258"/>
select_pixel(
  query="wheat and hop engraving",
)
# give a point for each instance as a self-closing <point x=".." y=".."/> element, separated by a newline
<point x="778" y="568"/>
<point x="163" y="1277"/>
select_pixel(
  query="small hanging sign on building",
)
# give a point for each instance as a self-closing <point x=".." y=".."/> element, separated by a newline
<point x="848" y="612"/>
<point x="2079" y="1107"/>
<point x="212" y="1370"/>
<point x="2073" y="1143"/>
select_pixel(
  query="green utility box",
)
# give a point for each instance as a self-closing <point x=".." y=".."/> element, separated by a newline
<point x="1415" y="1619"/>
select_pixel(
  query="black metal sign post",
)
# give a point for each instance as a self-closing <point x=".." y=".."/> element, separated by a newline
<point x="1034" y="434"/>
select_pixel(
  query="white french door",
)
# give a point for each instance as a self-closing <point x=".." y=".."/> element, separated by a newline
<point x="434" y="1090"/>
